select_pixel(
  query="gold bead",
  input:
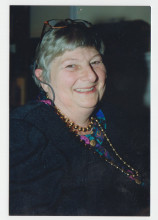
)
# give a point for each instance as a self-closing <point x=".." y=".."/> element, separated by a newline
<point x="93" y="143"/>
<point x="138" y="181"/>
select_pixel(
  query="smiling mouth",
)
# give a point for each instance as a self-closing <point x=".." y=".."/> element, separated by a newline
<point x="85" y="89"/>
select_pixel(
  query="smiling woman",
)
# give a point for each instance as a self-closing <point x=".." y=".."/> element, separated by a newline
<point x="78" y="83"/>
<point x="62" y="157"/>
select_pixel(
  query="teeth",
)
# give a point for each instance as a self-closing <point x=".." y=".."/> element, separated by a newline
<point x="84" y="90"/>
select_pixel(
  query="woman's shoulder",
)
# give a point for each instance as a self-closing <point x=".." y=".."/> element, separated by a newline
<point x="31" y="133"/>
<point x="35" y="114"/>
<point x="24" y="111"/>
<point x="25" y="128"/>
<point x="39" y="117"/>
<point x="116" y="118"/>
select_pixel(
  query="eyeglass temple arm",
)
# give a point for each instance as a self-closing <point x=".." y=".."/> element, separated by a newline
<point x="52" y="90"/>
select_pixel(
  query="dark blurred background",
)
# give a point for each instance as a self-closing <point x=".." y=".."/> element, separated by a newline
<point x="126" y="33"/>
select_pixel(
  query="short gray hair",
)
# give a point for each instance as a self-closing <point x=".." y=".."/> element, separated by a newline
<point x="56" y="41"/>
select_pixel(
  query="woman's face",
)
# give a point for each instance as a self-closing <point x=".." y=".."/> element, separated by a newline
<point x="78" y="79"/>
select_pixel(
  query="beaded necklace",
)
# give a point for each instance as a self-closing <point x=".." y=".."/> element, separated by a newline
<point x="130" y="171"/>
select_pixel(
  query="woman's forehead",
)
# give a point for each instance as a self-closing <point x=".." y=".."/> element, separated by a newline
<point x="78" y="53"/>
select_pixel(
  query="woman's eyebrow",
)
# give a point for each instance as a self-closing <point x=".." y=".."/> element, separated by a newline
<point x="97" y="55"/>
<point x="69" y="59"/>
<point x="77" y="59"/>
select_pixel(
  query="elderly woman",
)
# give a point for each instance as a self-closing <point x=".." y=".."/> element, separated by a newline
<point x="68" y="155"/>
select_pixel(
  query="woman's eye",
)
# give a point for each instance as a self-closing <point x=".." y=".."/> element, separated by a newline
<point x="96" y="62"/>
<point x="71" y="66"/>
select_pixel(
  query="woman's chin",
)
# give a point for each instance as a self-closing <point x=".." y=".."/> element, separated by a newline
<point x="89" y="104"/>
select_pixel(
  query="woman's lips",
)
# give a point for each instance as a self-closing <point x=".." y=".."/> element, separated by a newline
<point x="86" y="90"/>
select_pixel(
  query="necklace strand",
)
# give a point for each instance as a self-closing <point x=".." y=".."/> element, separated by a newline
<point x="76" y="128"/>
<point x="72" y="125"/>
<point x="136" y="175"/>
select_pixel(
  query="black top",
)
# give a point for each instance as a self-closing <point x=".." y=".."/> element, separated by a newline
<point x="53" y="173"/>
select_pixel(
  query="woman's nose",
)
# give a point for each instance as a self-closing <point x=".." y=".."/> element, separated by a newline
<point x="89" y="74"/>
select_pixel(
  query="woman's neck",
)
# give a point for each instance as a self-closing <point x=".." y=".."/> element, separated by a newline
<point x="79" y="116"/>
<point x="83" y="126"/>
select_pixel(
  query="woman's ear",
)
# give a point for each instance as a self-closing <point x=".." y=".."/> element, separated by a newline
<point x="38" y="74"/>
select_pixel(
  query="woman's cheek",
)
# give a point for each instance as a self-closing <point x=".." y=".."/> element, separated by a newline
<point x="102" y="76"/>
